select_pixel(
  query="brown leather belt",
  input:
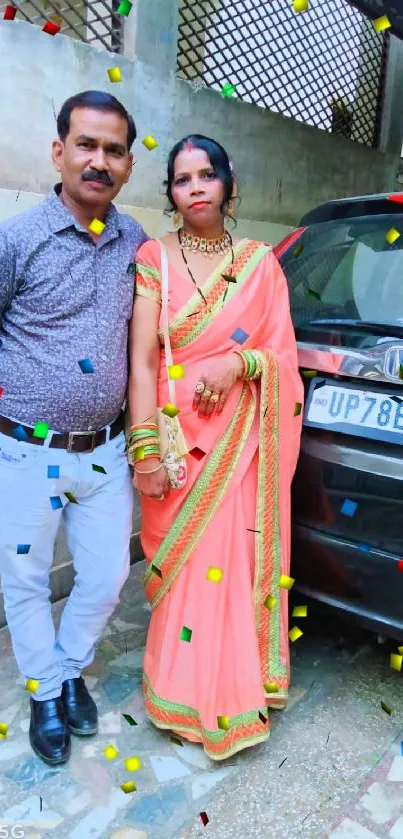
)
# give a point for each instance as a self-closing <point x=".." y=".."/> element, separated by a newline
<point x="77" y="442"/>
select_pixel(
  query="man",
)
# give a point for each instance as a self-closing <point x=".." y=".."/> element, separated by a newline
<point x="66" y="297"/>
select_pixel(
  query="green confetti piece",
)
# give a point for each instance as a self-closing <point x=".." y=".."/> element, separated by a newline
<point x="313" y="294"/>
<point x="156" y="571"/>
<point x="71" y="497"/>
<point x="298" y="250"/>
<point x="229" y="278"/>
<point x="99" y="469"/>
<point x="129" y="719"/>
<point x="124" y="8"/>
<point x="40" y="430"/>
<point x="228" y="90"/>
<point x="186" y="633"/>
<point x="400" y="371"/>
<point x="297" y="409"/>
<point x="387" y="708"/>
<point x="176" y="741"/>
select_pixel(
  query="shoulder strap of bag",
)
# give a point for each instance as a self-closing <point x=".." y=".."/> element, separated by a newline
<point x="165" y="321"/>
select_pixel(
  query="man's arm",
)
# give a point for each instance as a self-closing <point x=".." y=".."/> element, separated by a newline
<point x="7" y="273"/>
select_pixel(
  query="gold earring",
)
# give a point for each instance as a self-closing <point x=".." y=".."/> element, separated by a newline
<point x="231" y="208"/>
<point x="177" y="219"/>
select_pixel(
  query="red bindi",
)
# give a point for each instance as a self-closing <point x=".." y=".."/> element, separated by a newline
<point x="189" y="146"/>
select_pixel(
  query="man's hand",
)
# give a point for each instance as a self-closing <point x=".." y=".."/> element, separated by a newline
<point x="218" y="379"/>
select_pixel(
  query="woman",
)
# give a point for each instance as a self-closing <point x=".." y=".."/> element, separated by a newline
<point x="216" y="655"/>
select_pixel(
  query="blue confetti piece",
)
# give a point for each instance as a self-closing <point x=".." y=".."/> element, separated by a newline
<point x="364" y="548"/>
<point x="56" y="502"/>
<point x="349" y="507"/>
<point x="239" y="335"/>
<point x="23" y="549"/>
<point x="86" y="365"/>
<point x="53" y="471"/>
<point x="20" y="434"/>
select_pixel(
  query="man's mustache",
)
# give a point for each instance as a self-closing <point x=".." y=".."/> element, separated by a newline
<point x="98" y="177"/>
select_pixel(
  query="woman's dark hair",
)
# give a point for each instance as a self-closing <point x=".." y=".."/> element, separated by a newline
<point x="218" y="158"/>
<point x="97" y="100"/>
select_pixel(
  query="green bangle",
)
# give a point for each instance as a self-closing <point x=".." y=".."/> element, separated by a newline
<point x="135" y="436"/>
<point x="252" y="364"/>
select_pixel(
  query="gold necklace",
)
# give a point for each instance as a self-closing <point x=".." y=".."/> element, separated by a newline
<point x="208" y="247"/>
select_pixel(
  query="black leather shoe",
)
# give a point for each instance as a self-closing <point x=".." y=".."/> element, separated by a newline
<point x="48" y="731"/>
<point x="81" y="710"/>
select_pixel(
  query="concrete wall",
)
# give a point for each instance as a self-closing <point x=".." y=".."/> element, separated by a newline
<point x="284" y="167"/>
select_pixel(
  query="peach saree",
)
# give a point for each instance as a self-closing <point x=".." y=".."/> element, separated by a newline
<point x="217" y="655"/>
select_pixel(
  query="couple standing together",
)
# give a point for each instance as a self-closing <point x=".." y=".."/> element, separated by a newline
<point x="216" y="530"/>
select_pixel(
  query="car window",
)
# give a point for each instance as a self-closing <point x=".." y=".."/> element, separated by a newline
<point x="347" y="269"/>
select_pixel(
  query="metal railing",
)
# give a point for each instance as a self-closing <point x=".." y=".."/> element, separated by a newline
<point x="325" y="67"/>
<point x="95" y="22"/>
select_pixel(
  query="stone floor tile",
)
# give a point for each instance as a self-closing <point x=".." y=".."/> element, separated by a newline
<point x="11" y="748"/>
<point x="118" y="686"/>
<point x="30" y="773"/>
<point x="24" y="724"/>
<point x="110" y="723"/>
<point x="208" y="780"/>
<point x="125" y="626"/>
<point x="129" y="833"/>
<point x="166" y="809"/>
<point x="96" y="822"/>
<point x="75" y="805"/>
<point x="397" y="830"/>
<point x="28" y="812"/>
<point x="168" y="768"/>
<point x="396" y="770"/>
<point x="383" y="802"/>
<point x="7" y="714"/>
<point x="349" y="829"/>
<point x="194" y="754"/>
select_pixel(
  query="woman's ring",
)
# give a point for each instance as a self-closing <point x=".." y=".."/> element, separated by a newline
<point x="200" y="387"/>
<point x="207" y="394"/>
<point x="215" y="397"/>
<point x="161" y="498"/>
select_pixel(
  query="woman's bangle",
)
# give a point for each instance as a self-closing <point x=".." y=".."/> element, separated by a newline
<point x="148" y="471"/>
<point x="245" y="365"/>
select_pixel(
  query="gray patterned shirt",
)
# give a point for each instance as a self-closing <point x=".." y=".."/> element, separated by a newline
<point x="65" y="300"/>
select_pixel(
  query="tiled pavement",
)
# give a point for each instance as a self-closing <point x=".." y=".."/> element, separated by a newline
<point x="332" y="768"/>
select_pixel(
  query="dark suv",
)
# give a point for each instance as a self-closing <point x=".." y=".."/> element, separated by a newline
<point x="344" y="266"/>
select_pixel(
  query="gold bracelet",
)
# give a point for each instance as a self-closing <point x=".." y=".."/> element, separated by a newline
<point x="245" y="363"/>
<point x="148" y="471"/>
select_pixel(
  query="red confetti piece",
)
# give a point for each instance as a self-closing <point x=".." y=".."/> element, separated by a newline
<point x="204" y="817"/>
<point x="51" y="28"/>
<point x="1" y="391"/>
<point x="262" y="718"/>
<point x="9" y="13"/>
<point x="397" y="197"/>
<point x="400" y="566"/>
<point x="197" y="453"/>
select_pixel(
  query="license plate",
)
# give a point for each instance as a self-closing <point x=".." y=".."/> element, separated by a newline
<point x="355" y="411"/>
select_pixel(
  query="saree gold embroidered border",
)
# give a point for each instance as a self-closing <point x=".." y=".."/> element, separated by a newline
<point x="244" y="729"/>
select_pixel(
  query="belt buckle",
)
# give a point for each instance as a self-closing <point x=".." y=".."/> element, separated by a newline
<point x="73" y="434"/>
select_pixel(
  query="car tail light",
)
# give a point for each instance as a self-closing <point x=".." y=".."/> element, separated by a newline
<point x="286" y="243"/>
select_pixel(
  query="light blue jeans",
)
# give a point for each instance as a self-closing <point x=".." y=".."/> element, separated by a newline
<point x="98" y="534"/>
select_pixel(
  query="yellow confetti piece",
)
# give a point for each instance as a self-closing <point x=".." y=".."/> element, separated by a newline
<point x="96" y="226"/>
<point x="300" y="5"/>
<point x="381" y="23"/>
<point x="129" y="786"/>
<point x="214" y="574"/>
<point x="170" y="410"/>
<point x="300" y="611"/>
<point x="295" y="633"/>
<point x="132" y="764"/>
<point x="271" y="687"/>
<point x="176" y="371"/>
<point x="110" y="752"/>
<point x="392" y="235"/>
<point x="270" y="601"/>
<point x="31" y="685"/>
<point x="286" y="582"/>
<point x="223" y="723"/>
<point x="115" y="74"/>
<point x="396" y="662"/>
<point x="139" y="453"/>
<point x="309" y="374"/>
<point x="400" y="650"/>
<point x="3" y="730"/>
<point x="149" y="142"/>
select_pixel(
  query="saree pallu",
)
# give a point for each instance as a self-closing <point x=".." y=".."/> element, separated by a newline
<point x="216" y="655"/>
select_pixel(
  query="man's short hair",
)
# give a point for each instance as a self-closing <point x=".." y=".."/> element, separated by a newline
<point x="97" y="100"/>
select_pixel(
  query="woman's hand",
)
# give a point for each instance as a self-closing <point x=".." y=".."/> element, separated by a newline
<point x="153" y="485"/>
<point x="218" y="379"/>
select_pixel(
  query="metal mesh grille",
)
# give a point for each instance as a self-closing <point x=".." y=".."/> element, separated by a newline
<point x="95" y="23"/>
<point x="325" y="67"/>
